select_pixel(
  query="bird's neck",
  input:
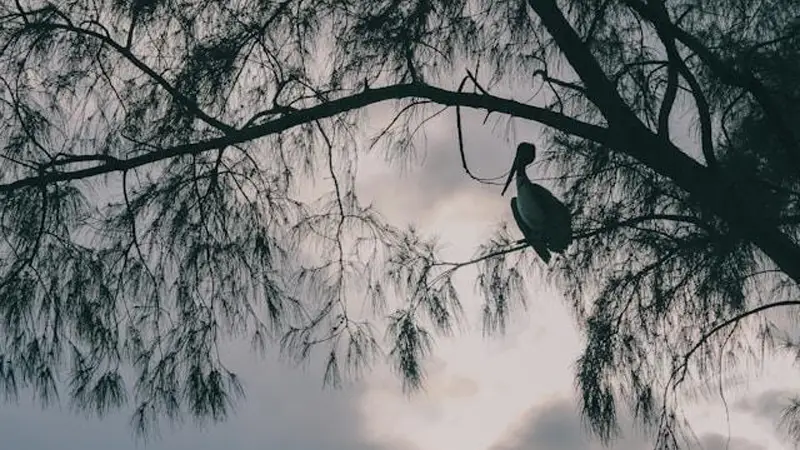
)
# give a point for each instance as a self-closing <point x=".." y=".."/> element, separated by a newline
<point x="522" y="176"/>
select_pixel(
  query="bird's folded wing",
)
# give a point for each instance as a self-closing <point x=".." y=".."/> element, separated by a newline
<point x="558" y="232"/>
<point x="530" y="237"/>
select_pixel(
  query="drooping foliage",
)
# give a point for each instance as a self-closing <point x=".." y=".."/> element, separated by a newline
<point x="156" y="198"/>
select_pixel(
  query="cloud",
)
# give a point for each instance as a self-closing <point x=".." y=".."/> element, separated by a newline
<point x="715" y="441"/>
<point x="286" y="408"/>
<point x="436" y="177"/>
<point x="557" y="426"/>
<point x="551" y="427"/>
<point x="767" y="405"/>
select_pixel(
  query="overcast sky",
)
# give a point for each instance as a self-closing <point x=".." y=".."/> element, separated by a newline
<point x="506" y="393"/>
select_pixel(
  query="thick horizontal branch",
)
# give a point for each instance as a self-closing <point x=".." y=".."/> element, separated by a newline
<point x="329" y="109"/>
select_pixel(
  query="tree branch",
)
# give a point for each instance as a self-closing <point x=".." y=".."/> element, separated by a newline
<point x="646" y="218"/>
<point x="632" y="137"/>
<point x="681" y="369"/>
<point x="460" y="133"/>
<point x="676" y="62"/>
<point x="328" y="109"/>
<point x="126" y="53"/>
<point x="598" y="88"/>
<point x="730" y="76"/>
<point x="522" y="244"/>
<point x="565" y="84"/>
<point x="668" y="101"/>
<point x="453" y="266"/>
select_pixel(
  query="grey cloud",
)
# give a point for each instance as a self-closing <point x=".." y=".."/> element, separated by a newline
<point x="437" y="175"/>
<point x="768" y="405"/>
<point x="551" y="427"/>
<point x="557" y="426"/>
<point x="286" y="408"/>
<point x="719" y="442"/>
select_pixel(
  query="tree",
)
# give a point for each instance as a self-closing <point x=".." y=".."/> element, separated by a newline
<point x="199" y="121"/>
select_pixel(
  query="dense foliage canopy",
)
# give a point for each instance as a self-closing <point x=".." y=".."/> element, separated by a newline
<point x="154" y="154"/>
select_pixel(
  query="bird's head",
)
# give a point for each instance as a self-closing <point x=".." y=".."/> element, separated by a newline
<point x="526" y="154"/>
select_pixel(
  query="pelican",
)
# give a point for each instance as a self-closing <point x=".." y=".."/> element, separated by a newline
<point x="544" y="221"/>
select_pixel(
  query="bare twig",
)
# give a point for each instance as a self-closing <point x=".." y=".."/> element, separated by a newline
<point x="680" y="371"/>
<point x="460" y="132"/>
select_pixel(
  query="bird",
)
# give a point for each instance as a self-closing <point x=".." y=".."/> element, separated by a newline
<point x="544" y="220"/>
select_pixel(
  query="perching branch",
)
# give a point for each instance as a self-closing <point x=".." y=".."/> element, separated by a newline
<point x="522" y="244"/>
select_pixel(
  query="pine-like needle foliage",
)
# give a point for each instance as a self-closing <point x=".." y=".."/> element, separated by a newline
<point x="156" y="194"/>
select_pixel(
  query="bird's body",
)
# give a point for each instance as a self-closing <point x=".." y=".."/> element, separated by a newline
<point x="529" y="207"/>
<point x="543" y="219"/>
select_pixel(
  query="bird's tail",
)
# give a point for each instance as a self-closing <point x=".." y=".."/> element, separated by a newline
<point x="542" y="251"/>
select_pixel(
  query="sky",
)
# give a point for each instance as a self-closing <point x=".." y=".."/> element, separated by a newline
<point x="511" y="392"/>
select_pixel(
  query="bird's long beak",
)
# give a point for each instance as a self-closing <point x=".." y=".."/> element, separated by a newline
<point x="511" y="174"/>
